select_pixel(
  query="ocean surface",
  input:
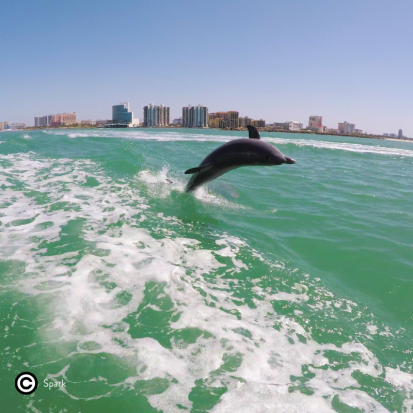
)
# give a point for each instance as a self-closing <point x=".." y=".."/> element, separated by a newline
<point x="273" y="289"/>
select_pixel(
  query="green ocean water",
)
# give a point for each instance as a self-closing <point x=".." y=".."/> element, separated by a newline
<point x="273" y="289"/>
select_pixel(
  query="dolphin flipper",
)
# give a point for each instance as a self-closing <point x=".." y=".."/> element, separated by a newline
<point x="199" y="169"/>
<point x="253" y="132"/>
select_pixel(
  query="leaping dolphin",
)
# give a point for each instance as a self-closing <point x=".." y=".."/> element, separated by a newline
<point x="234" y="154"/>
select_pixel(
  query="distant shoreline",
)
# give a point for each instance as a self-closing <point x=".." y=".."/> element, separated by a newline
<point x="399" y="139"/>
<point x="303" y="132"/>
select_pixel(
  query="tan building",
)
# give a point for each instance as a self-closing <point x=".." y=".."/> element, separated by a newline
<point x="315" y="121"/>
<point x="217" y="115"/>
<point x="258" y="123"/>
<point x="233" y="119"/>
<point x="3" y="125"/>
<point x="218" y="120"/>
<point x="224" y="120"/>
<point x="223" y="123"/>
<point x="245" y="121"/>
<point x="63" y="119"/>
<point x="214" y="122"/>
<point x="346" y="128"/>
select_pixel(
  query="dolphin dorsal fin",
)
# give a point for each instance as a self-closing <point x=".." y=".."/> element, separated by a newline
<point x="198" y="169"/>
<point x="253" y="132"/>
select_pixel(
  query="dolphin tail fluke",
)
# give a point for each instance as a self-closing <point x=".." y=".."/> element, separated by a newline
<point x="253" y="132"/>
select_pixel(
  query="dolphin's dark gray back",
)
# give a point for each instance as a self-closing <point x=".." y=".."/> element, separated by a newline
<point x="234" y="154"/>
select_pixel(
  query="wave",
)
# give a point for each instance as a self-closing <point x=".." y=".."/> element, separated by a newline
<point x="349" y="147"/>
<point x="77" y="135"/>
<point x="175" y="136"/>
<point x="126" y="264"/>
<point x="161" y="184"/>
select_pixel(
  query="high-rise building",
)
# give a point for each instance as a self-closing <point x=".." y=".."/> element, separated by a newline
<point x="163" y="115"/>
<point x="315" y="121"/>
<point x="43" y="120"/>
<point x="245" y="121"/>
<point x="60" y="119"/>
<point x="232" y="119"/>
<point x="214" y="122"/>
<point x="63" y="119"/>
<point x="121" y="113"/>
<point x="224" y="120"/>
<point x="222" y="123"/>
<point x="346" y="128"/>
<point x="293" y="125"/>
<point x="186" y="116"/>
<point x="258" y="123"/>
<point x="4" y="125"/>
<point x="200" y="116"/>
<point x="150" y="115"/>
<point x="16" y="126"/>
<point x="400" y="134"/>
<point x="195" y="116"/>
<point x="217" y="115"/>
<point x="156" y="115"/>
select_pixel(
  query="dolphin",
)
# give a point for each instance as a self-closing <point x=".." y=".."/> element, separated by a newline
<point x="234" y="154"/>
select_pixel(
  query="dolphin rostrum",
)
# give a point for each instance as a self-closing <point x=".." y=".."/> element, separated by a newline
<point x="234" y="154"/>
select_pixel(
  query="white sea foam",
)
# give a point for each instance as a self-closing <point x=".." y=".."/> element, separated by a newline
<point x="349" y="147"/>
<point x="77" y="135"/>
<point x="264" y="361"/>
<point x="165" y="136"/>
<point x="161" y="183"/>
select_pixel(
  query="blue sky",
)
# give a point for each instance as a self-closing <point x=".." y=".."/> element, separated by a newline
<point x="277" y="60"/>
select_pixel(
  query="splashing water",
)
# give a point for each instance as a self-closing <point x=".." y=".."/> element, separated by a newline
<point x="141" y="296"/>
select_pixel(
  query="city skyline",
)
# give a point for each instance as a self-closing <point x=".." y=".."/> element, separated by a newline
<point x="318" y="121"/>
<point x="281" y="64"/>
<point x="193" y="117"/>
